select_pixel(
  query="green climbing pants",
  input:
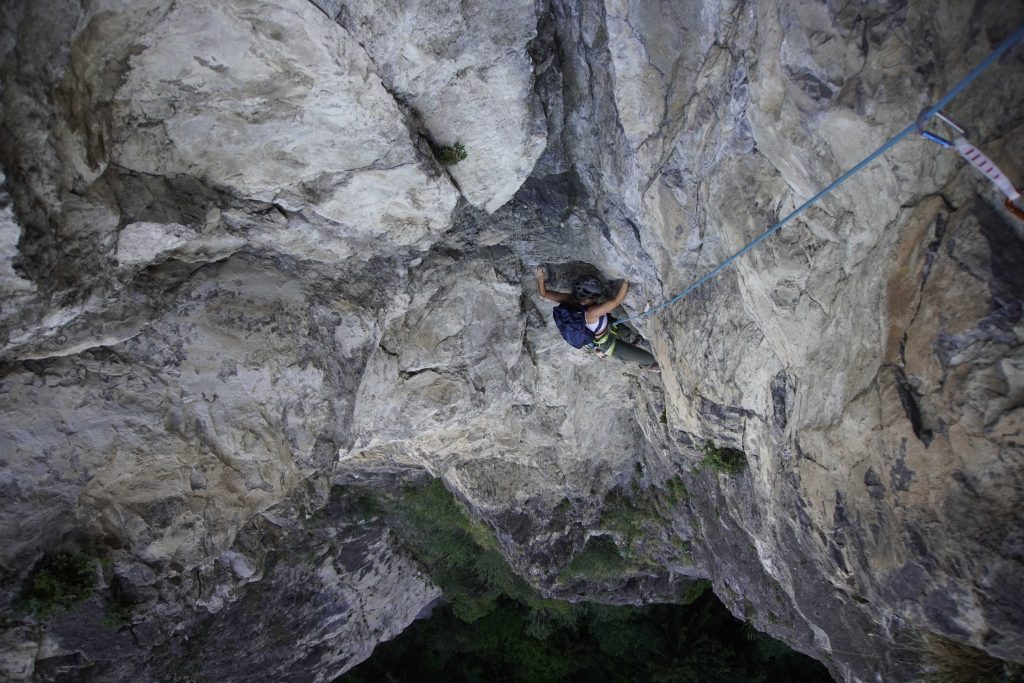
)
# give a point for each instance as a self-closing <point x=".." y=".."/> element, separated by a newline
<point x="610" y="345"/>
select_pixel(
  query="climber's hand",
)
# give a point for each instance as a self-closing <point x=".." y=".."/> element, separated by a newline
<point x="623" y="288"/>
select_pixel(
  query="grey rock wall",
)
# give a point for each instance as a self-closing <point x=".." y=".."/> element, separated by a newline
<point x="464" y="69"/>
<point x="234" y="277"/>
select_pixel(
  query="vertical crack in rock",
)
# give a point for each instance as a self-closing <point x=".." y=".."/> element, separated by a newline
<point x="910" y="406"/>
<point x="907" y="393"/>
<point x="779" y="387"/>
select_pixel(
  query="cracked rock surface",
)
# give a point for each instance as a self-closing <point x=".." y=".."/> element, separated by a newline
<point x="237" y="285"/>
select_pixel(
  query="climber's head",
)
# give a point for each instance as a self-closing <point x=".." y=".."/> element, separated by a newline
<point x="588" y="289"/>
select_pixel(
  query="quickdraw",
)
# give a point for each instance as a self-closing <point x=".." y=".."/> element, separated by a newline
<point x="976" y="158"/>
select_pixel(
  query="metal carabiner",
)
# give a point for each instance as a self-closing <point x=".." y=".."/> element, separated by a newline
<point x="922" y="121"/>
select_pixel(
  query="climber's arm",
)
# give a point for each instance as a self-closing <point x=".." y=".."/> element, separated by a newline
<point x="595" y="312"/>
<point x="557" y="297"/>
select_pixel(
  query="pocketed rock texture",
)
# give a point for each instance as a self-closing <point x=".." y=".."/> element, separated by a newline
<point x="238" y="288"/>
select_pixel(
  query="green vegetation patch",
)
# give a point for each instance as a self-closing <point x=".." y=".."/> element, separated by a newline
<point x="698" y="643"/>
<point x="723" y="460"/>
<point x="628" y="516"/>
<point x="496" y="627"/>
<point x="695" y="590"/>
<point x="636" y="519"/>
<point x="599" y="559"/>
<point x="118" y="613"/>
<point x="675" y="491"/>
<point x="59" y="582"/>
<point x="449" y="155"/>
<point x="461" y="555"/>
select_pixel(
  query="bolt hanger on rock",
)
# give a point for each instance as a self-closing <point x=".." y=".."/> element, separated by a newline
<point x="975" y="157"/>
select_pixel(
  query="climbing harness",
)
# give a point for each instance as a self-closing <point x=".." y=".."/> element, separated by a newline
<point x="916" y="126"/>
<point x="600" y="341"/>
<point x="976" y="158"/>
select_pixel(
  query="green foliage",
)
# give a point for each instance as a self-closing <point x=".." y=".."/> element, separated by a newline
<point x="495" y="627"/>
<point x="628" y="517"/>
<point x="449" y="155"/>
<point x="947" y="661"/>
<point x="461" y="554"/>
<point x="723" y="460"/>
<point x="695" y="590"/>
<point x="685" y="549"/>
<point x="59" y="583"/>
<point x="367" y="506"/>
<point x="675" y="490"/>
<point x="639" y="515"/>
<point x="118" y="614"/>
<point x="700" y="643"/>
<point x="599" y="559"/>
<point x="562" y="509"/>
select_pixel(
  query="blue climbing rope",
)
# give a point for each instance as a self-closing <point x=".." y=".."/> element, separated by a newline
<point x="916" y="126"/>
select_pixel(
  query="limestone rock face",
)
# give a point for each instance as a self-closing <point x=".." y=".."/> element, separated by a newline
<point x="456" y="385"/>
<point x="237" y="286"/>
<point x="308" y="614"/>
<point x="270" y="103"/>
<point x="464" y="68"/>
<point x="11" y="283"/>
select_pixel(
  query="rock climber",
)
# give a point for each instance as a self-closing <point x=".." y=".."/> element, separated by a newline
<point x="585" y="321"/>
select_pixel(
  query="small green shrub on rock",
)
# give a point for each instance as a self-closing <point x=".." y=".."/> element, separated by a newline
<point x="60" y="582"/>
<point x="675" y="490"/>
<point x="449" y="155"/>
<point x="118" y="613"/>
<point x="599" y="559"/>
<point x="694" y="590"/>
<point x="637" y="517"/>
<point x="723" y="460"/>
